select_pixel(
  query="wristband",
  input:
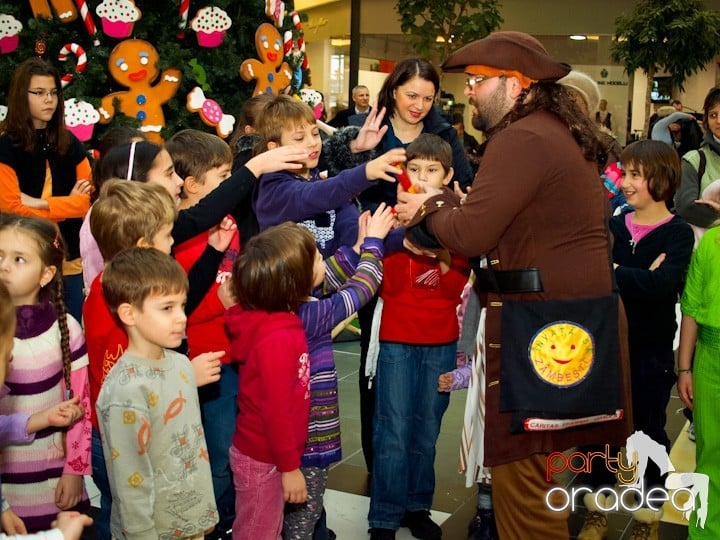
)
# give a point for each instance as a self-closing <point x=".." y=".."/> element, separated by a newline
<point x="684" y="370"/>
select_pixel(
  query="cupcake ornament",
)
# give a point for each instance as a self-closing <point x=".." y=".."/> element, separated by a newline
<point x="210" y="25"/>
<point x="9" y="33"/>
<point x="80" y="118"/>
<point x="118" y="17"/>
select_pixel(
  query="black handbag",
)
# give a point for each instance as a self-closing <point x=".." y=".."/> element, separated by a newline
<point x="560" y="362"/>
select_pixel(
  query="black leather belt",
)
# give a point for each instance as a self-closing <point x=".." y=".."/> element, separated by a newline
<point x="508" y="281"/>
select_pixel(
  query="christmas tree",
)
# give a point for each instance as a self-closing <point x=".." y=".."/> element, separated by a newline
<point x="214" y="69"/>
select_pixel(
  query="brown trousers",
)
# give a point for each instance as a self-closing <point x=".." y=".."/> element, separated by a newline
<point x="519" y="489"/>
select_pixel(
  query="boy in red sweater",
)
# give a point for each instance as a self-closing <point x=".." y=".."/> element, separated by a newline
<point x="204" y="161"/>
<point x="418" y="340"/>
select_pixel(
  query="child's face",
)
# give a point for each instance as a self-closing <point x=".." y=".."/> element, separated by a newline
<point x="163" y="240"/>
<point x="714" y="120"/>
<point x="428" y="172"/>
<point x="635" y="186"/>
<point x="158" y="324"/>
<point x="318" y="269"/>
<point x="307" y="136"/>
<point x="163" y="172"/>
<point x="212" y="179"/>
<point x="42" y="106"/>
<point x="21" y="268"/>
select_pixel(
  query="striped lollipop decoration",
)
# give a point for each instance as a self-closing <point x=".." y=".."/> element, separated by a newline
<point x="88" y="20"/>
<point x="77" y="50"/>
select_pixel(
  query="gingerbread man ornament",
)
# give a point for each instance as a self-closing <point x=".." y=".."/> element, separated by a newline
<point x="271" y="73"/>
<point x="133" y="63"/>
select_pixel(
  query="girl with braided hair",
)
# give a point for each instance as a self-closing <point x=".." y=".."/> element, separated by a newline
<point x="49" y="366"/>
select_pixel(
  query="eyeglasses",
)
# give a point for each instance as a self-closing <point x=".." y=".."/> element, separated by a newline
<point x="45" y="93"/>
<point x="477" y="79"/>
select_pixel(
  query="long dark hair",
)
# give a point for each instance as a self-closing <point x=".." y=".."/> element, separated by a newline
<point x="19" y="124"/>
<point x="557" y="99"/>
<point x="403" y="72"/>
<point x="51" y="247"/>
<point x="116" y="161"/>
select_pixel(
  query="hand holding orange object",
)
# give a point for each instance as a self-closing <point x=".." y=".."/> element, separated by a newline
<point x="404" y="179"/>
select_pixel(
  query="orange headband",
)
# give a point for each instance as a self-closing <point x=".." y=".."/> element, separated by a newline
<point x="487" y="71"/>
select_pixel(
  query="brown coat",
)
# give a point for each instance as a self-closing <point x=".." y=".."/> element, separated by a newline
<point x="535" y="202"/>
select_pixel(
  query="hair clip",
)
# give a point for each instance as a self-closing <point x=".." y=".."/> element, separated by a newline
<point x="131" y="161"/>
<point x="56" y="241"/>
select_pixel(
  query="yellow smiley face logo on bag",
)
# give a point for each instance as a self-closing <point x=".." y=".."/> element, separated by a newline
<point x="562" y="353"/>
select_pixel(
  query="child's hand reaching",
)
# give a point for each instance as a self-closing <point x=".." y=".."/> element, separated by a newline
<point x="278" y="159"/>
<point x="294" y="488"/>
<point x="225" y="293"/>
<point x="381" y="222"/>
<point x="11" y="523"/>
<point x="384" y="167"/>
<point x="60" y="415"/>
<point x="207" y="367"/>
<point x="71" y="524"/>
<point x="219" y="237"/>
<point x="445" y="382"/>
<point x="362" y="230"/>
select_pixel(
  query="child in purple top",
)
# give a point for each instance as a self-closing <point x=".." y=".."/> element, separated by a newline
<point x="301" y="195"/>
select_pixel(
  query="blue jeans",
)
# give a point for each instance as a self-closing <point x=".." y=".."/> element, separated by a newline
<point x="100" y="477"/>
<point x="218" y="404"/>
<point x="408" y="414"/>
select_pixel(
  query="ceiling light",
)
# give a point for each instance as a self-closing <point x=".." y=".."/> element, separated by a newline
<point x="578" y="37"/>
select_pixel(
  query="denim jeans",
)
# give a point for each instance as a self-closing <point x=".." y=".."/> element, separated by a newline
<point x="218" y="403"/>
<point x="258" y="498"/>
<point x="100" y="478"/>
<point x="408" y="414"/>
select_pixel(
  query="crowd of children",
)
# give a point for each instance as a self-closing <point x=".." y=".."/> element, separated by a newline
<point x="195" y="380"/>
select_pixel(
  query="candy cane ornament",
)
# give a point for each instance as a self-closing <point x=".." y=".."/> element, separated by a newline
<point x="301" y="38"/>
<point x="77" y="50"/>
<point x="88" y="20"/>
<point x="184" y="11"/>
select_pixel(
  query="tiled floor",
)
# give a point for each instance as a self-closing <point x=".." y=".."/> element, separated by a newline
<point x="454" y="504"/>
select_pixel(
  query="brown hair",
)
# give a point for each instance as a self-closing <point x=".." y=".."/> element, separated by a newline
<point x="7" y="323"/>
<point x="249" y="114"/>
<point x="711" y="100"/>
<point x="195" y="152"/>
<point x="128" y="211"/>
<point x="431" y="147"/>
<point x="278" y="115"/>
<point x="274" y="271"/>
<point x="51" y="248"/>
<point x="136" y="273"/>
<point x="19" y="124"/>
<point x="659" y="164"/>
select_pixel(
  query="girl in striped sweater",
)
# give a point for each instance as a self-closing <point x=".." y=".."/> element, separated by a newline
<point x="349" y="279"/>
<point x="49" y="367"/>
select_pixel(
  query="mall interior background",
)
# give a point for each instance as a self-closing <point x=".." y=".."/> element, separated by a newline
<point x="327" y="34"/>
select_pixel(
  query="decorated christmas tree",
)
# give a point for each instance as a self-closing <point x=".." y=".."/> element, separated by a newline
<point x="199" y="44"/>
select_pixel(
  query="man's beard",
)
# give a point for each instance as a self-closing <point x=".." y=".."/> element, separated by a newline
<point x="488" y="115"/>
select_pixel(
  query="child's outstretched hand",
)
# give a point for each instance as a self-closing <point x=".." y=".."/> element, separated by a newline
<point x="294" y="488"/>
<point x="60" y="415"/>
<point x="207" y="367"/>
<point x="362" y="230"/>
<point x="381" y="222"/>
<point x="71" y="524"/>
<point x="278" y="159"/>
<point x="384" y="167"/>
<point x="11" y="523"/>
<point x="445" y="382"/>
<point x="219" y="237"/>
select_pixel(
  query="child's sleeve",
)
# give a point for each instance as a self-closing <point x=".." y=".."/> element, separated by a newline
<point x="338" y="269"/>
<point x="77" y="444"/>
<point x="13" y="429"/>
<point x="461" y="377"/>
<point x="125" y="431"/>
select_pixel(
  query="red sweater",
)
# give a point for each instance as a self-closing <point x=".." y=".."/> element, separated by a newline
<point x="206" y="325"/>
<point x="420" y="303"/>
<point x="105" y="340"/>
<point x="273" y="389"/>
